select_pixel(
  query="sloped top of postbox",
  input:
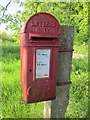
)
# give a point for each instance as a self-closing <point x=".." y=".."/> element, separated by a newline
<point x="42" y="25"/>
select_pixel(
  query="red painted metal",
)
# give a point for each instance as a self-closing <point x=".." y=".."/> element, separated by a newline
<point x="40" y="32"/>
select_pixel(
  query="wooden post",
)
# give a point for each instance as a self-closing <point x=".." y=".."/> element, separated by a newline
<point x="57" y="108"/>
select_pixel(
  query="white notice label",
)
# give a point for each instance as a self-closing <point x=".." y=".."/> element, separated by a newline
<point x="42" y="63"/>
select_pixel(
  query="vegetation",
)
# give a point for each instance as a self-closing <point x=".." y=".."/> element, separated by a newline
<point x="78" y="103"/>
<point x="67" y="13"/>
<point x="81" y="48"/>
<point x="7" y="38"/>
<point x="12" y="99"/>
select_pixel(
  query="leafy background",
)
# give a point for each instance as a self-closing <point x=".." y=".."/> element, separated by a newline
<point x="67" y="13"/>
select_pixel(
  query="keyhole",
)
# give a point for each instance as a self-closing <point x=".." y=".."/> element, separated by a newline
<point x="30" y="70"/>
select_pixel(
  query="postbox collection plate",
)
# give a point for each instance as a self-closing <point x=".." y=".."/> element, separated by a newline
<point x="42" y="63"/>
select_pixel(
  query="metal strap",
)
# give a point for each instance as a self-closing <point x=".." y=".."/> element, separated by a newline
<point x="64" y="83"/>
<point x="66" y="50"/>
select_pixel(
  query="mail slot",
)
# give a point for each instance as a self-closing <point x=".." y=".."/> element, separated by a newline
<point x="39" y="45"/>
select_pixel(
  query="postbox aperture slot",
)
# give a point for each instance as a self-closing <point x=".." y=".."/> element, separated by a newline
<point x="41" y="39"/>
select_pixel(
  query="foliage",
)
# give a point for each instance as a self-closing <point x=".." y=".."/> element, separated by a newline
<point x="67" y="13"/>
<point x="78" y="103"/>
<point x="12" y="99"/>
<point x="81" y="49"/>
<point x="6" y="37"/>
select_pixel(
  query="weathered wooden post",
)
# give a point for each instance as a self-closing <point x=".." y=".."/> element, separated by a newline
<point x="57" y="108"/>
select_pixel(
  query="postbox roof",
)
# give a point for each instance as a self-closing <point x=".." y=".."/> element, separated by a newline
<point x="41" y="25"/>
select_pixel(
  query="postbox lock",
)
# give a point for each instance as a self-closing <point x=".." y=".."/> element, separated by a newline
<point x="34" y="92"/>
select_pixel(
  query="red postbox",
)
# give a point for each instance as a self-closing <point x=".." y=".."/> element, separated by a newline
<point x="39" y="45"/>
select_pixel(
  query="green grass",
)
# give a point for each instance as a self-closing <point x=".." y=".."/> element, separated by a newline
<point x="78" y="102"/>
<point x="12" y="99"/>
<point x="81" y="49"/>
